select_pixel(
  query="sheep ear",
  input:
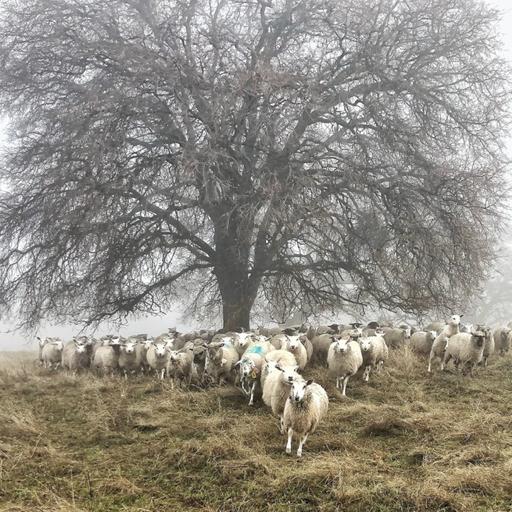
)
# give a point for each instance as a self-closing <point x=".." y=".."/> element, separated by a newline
<point x="461" y="316"/>
<point x="309" y="382"/>
<point x="278" y="367"/>
<point x="237" y="364"/>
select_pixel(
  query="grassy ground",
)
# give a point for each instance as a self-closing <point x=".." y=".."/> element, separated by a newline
<point x="404" y="442"/>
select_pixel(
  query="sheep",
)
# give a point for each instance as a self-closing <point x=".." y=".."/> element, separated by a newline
<point x="181" y="367"/>
<point x="278" y="340"/>
<point x="250" y="367"/>
<point x="128" y="360"/>
<point x="488" y="344"/>
<point x="276" y="388"/>
<point x="242" y="341"/>
<point x="502" y="337"/>
<point x="465" y="348"/>
<point x="156" y="357"/>
<point x="439" y="344"/>
<point x="421" y="342"/>
<point x="281" y="357"/>
<point x="344" y="360"/>
<point x="295" y="346"/>
<point x="394" y="337"/>
<point x="305" y="407"/>
<point x="375" y="353"/>
<point x="106" y="356"/>
<point x="75" y="356"/>
<point x="321" y="346"/>
<point x="51" y="353"/>
<point x="141" y="349"/>
<point x="221" y="358"/>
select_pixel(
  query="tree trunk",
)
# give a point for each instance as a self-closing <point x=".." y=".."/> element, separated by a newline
<point x="236" y="316"/>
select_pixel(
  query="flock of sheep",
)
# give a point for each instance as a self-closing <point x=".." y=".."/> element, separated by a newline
<point x="268" y="363"/>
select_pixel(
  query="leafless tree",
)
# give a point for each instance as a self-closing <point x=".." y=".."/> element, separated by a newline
<point x="306" y="154"/>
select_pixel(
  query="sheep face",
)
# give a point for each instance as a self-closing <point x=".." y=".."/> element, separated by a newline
<point x="366" y="344"/>
<point x="115" y="341"/>
<point x="160" y="349"/>
<point x="478" y="338"/>
<point x="247" y="368"/>
<point x="289" y="374"/>
<point x="432" y="334"/>
<point x="298" y="390"/>
<point x="356" y="332"/>
<point x="148" y="343"/>
<point x="294" y="343"/>
<point x="41" y="342"/>
<point x="455" y="320"/>
<point x="243" y="339"/>
<point x="80" y="347"/>
<point x="340" y="346"/>
<point x="128" y="347"/>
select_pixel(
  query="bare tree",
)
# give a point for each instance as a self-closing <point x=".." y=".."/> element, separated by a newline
<point x="307" y="154"/>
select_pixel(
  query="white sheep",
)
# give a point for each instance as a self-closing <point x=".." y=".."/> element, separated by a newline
<point x="307" y="403"/>
<point x="344" y="360"/>
<point x="439" y="345"/>
<point x="250" y="368"/>
<point x="181" y="367"/>
<point x="375" y="353"/>
<point x="281" y="357"/>
<point x="51" y="353"/>
<point x="156" y="357"/>
<point x="421" y="342"/>
<point x="128" y="360"/>
<point x="502" y="337"/>
<point x="221" y="357"/>
<point x="488" y="344"/>
<point x="106" y="356"/>
<point x="296" y="347"/>
<point x="75" y="356"/>
<point x="276" y="388"/>
<point x="465" y="349"/>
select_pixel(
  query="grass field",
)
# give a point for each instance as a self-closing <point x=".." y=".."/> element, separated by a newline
<point x="403" y="442"/>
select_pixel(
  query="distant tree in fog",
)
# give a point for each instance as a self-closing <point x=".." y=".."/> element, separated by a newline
<point x="301" y="154"/>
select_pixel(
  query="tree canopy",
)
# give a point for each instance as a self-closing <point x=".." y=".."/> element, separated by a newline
<point x="302" y="154"/>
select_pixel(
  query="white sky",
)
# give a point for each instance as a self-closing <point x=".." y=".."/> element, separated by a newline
<point x="157" y="325"/>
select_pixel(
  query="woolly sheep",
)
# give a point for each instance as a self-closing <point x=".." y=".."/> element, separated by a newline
<point x="375" y="353"/>
<point x="295" y="346"/>
<point x="141" y="349"/>
<point x="465" y="349"/>
<point x="106" y="356"/>
<point x="180" y="366"/>
<point x="502" y="337"/>
<point x="156" y="357"/>
<point x="51" y="353"/>
<point x="276" y="388"/>
<point x="344" y="360"/>
<point x="281" y="357"/>
<point x="439" y="344"/>
<point x="306" y="405"/>
<point x="75" y="356"/>
<point x="128" y="360"/>
<point x="242" y="340"/>
<point x="488" y="343"/>
<point x="221" y="358"/>
<point x="394" y="337"/>
<point x="421" y="342"/>
<point x="40" y="344"/>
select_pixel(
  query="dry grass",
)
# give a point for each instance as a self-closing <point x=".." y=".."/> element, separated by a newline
<point x="405" y="442"/>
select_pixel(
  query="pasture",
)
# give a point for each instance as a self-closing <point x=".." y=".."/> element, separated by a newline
<point x="406" y="441"/>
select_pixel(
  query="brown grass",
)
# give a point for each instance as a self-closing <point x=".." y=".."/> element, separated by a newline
<point x="404" y="442"/>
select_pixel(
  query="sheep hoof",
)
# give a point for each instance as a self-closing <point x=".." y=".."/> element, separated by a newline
<point x="288" y="450"/>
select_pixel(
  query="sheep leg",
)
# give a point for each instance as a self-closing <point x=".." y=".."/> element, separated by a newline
<point x="446" y="360"/>
<point x="289" y="443"/>
<point x="281" y="425"/>
<point x="338" y="380"/>
<point x="301" y="444"/>
<point x="251" y="401"/>
<point x="345" y="382"/>
<point x="366" y="374"/>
